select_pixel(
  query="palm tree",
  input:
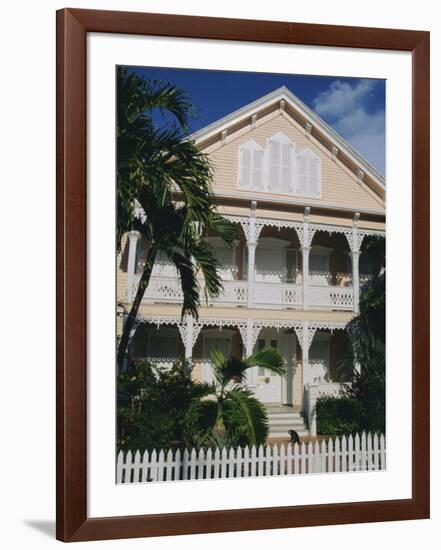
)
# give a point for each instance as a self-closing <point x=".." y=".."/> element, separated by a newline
<point x="170" y="180"/>
<point x="228" y="415"/>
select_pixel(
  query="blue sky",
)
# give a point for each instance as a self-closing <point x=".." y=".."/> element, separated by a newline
<point x="353" y="107"/>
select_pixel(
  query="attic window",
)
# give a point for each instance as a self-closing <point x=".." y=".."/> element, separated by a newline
<point x="278" y="169"/>
<point x="251" y="166"/>
<point x="280" y="159"/>
<point x="308" y="173"/>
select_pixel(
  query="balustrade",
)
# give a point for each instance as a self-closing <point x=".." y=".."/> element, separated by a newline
<point x="266" y="295"/>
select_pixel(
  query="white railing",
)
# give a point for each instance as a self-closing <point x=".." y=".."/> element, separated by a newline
<point x="270" y="295"/>
<point x="365" y="452"/>
<point x="334" y="297"/>
<point x="234" y="292"/>
<point x="168" y="289"/>
<point x="277" y="294"/>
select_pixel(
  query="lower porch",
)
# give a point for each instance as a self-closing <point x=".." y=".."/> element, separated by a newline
<point x="313" y="353"/>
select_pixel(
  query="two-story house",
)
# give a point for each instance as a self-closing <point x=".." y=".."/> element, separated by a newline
<point x="302" y="200"/>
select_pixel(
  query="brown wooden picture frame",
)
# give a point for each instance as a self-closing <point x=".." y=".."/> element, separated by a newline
<point x="71" y="506"/>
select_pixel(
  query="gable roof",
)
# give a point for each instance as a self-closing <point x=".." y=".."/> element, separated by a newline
<point x="312" y="123"/>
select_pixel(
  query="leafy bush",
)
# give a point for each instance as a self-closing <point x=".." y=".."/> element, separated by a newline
<point x="163" y="408"/>
<point x="152" y="406"/>
<point x="337" y="415"/>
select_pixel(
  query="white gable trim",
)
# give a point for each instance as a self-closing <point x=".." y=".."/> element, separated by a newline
<point x="312" y="120"/>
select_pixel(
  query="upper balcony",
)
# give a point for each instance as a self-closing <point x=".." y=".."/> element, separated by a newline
<point x="276" y="279"/>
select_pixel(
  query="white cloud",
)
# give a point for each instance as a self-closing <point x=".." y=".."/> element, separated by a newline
<point x="343" y="106"/>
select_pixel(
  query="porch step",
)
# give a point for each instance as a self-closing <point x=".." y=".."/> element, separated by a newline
<point x="282" y="419"/>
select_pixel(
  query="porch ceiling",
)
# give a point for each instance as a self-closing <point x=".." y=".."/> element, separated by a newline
<point x="246" y="313"/>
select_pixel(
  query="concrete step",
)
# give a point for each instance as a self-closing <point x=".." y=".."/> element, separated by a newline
<point x="279" y="408"/>
<point x="286" y="416"/>
<point x="282" y="418"/>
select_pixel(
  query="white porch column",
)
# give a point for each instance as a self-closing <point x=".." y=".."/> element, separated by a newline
<point x="251" y="268"/>
<point x="355" y="251"/>
<point x="249" y="341"/>
<point x="306" y="249"/>
<point x="251" y="245"/>
<point x="312" y="409"/>
<point x="187" y="337"/>
<point x="131" y="264"/>
<point x="305" y="275"/>
<point x="305" y="354"/>
<point x="309" y="387"/>
<point x="356" y="280"/>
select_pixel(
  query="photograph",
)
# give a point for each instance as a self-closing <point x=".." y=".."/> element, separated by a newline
<point x="250" y="274"/>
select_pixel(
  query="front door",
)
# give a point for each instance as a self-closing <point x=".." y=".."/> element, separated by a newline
<point x="269" y="385"/>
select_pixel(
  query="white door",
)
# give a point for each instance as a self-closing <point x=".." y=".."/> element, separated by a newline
<point x="289" y="348"/>
<point x="269" y="385"/>
<point x="212" y="341"/>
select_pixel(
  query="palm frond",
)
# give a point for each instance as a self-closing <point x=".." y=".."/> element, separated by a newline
<point x="189" y="283"/>
<point x="168" y="97"/>
<point x="223" y="228"/>
<point x="234" y="369"/>
<point x="254" y="413"/>
<point x="201" y="420"/>
<point x="207" y="262"/>
<point x="268" y="358"/>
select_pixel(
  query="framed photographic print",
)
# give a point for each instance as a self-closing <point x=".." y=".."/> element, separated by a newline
<point x="234" y="352"/>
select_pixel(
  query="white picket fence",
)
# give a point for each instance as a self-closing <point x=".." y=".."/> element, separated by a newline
<point x="346" y="454"/>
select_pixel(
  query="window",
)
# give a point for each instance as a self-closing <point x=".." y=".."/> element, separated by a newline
<point x="280" y="160"/>
<point x="308" y="173"/>
<point x="251" y="166"/>
<point x="277" y="168"/>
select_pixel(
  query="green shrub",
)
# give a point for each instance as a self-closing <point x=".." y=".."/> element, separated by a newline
<point x="152" y="405"/>
<point x="337" y="415"/>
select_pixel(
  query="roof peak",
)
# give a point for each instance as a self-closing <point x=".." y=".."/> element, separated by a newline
<point x="283" y="92"/>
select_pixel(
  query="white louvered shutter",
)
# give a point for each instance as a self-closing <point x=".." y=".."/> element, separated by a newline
<point x="274" y="166"/>
<point x="314" y="175"/>
<point x="286" y="180"/>
<point x="245" y="167"/>
<point x="302" y="175"/>
<point x="257" y="169"/>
